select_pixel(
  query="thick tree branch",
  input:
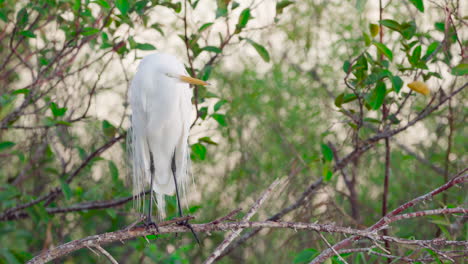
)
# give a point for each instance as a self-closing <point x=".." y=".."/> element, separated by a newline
<point x="172" y="227"/>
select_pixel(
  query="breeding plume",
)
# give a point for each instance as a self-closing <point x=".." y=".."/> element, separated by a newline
<point x="160" y="99"/>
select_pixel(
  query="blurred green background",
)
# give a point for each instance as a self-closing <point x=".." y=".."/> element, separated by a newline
<point x="277" y="106"/>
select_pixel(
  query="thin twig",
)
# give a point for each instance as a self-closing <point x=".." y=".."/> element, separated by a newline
<point x="107" y="254"/>
<point x="298" y="203"/>
<point x="330" y="246"/>
<point x="236" y="232"/>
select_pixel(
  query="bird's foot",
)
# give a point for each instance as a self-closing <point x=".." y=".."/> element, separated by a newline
<point x="189" y="226"/>
<point x="149" y="224"/>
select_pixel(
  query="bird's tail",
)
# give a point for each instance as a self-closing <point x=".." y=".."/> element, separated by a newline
<point x="140" y="162"/>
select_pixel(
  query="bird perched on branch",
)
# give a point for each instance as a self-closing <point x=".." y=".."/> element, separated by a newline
<point x="160" y="99"/>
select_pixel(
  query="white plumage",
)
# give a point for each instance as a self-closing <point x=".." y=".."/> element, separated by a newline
<point x="160" y="99"/>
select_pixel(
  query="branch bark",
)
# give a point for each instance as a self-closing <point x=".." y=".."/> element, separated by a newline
<point x="172" y="227"/>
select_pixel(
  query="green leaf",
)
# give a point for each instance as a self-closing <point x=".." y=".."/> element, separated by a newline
<point x="199" y="151"/>
<point x="43" y="61"/>
<point x="408" y="29"/>
<point x="349" y="97"/>
<point x="378" y="95"/>
<point x="22" y="18"/>
<point x="367" y="39"/>
<point x="419" y="4"/>
<point x="243" y="19"/>
<point x="260" y="50"/>
<point x="220" y="118"/>
<point x="346" y="66"/>
<point x="431" y="49"/>
<point x="384" y="50"/>
<point x="281" y="5"/>
<point x="157" y="27"/>
<point x="397" y="83"/>
<point x="212" y="49"/>
<point x="339" y="100"/>
<point x="440" y="26"/>
<point x="24" y="91"/>
<point x="203" y="112"/>
<point x="361" y="67"/>
<point x="3" y="15"/>
<point x="327" y="173"/>
<point x="460" y="69"/>
<point x="28" y="34"/>
<point x="145" y="46"/>
<point x="327" y="152"/>
<point x="205" y="26"/>
<point x="416" y="56"/>
<point x="234" y="5"/>
<point x="151" y="237"/>
<point x="57" y="111"/>
<point x="206" y="72"/>
<point x="393" y="119"/>
<point x="102" y="3"/>
<point x="108" y="129"/>
<point x="430" y="74"/>
<point x="132" y="42"/>
<point x="61" y="122"/>
<point x="177" y="7"/>
<point x="207" y="140"/>
<point x="218" y="105"/>
<point x="123" y="6"/>
<point x="305" y="256"/>
<point x="391" y="24"/>
<point x="76" y="5"/>
<point x="6" y="145"/>
<point x="66" y="189"/>
<point x="114" y="171"/>
<point x="372" y="120"/>
<point x="88" y="31"/>
<point x="221" y="12"/>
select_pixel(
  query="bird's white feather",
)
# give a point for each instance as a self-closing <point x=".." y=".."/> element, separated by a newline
<point x="160" y="123"/>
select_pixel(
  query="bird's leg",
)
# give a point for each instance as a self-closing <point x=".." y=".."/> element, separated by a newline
<point x="185" y="222"/>
<point x="149" y="222"/>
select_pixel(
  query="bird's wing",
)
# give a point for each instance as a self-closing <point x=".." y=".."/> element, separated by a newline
<point x="182" y="153"/>
<point x="136" y="138"/>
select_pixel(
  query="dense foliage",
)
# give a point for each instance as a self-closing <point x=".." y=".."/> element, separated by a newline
<point x="365" y="100"/>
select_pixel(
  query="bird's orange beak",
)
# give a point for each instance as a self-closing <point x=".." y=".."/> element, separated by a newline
<point x="188" y="79"/>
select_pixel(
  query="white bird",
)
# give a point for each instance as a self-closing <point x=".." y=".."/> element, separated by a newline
<point x="160" y="100"/>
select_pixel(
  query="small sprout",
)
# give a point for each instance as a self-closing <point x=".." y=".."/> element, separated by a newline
<point x="419" y="87"/>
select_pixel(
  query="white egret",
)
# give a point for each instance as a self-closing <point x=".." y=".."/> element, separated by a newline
<point x="160" y="100"/>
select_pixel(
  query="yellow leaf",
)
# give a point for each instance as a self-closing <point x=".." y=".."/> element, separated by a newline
<point x="419" y="87"/>
<point x="374" y="29"/>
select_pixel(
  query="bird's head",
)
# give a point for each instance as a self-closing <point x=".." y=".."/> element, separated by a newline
<point x="171" y="67"/>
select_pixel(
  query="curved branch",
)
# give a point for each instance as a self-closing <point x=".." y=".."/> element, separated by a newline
<point x="172" y="227"/>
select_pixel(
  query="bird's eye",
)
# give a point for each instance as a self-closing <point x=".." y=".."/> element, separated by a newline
<point x="172" y="75"/>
